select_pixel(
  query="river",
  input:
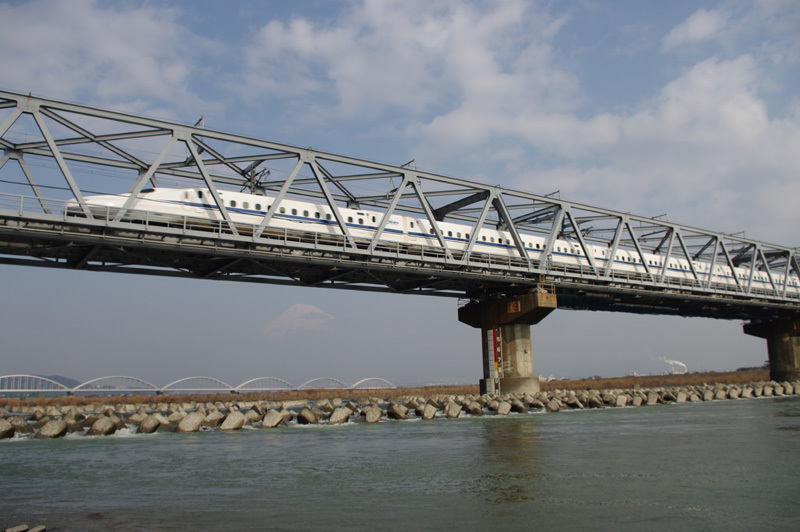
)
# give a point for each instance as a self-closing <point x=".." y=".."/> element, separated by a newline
<point x="721" y="465"/>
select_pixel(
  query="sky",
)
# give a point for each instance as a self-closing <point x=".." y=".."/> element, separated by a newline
<point x="683" y="108"/>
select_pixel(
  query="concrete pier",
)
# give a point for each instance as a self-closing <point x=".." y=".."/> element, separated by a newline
<point x="783" y="347"/>
<point x="505" y="325"/>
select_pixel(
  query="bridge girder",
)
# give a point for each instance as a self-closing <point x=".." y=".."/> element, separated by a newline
<point x="82" y="150"/>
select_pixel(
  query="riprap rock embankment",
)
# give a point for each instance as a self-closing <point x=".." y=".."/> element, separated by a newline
<point x="104" y="420"/>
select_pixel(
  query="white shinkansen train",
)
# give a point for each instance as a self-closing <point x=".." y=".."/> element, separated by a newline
<point x="249" y="210"/>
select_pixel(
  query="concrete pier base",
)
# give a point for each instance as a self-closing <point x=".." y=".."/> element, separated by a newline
<point x="516" y="364"/>
<point x="505" y="325"/>
<point x="783" y="347"/>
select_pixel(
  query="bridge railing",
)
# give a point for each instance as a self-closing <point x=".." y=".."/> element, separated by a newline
<point x="188" y="226"/>
<point x="139" y="152"/>
<point x="34" y="384"/>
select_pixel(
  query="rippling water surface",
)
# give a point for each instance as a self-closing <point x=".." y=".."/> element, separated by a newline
<point x="728" y="465"/>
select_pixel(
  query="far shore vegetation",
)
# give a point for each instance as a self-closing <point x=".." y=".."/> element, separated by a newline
<point x="596" y="383"/>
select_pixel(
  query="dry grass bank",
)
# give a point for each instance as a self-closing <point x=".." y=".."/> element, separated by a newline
<point x="649" y="381"/>
<point x="656" y="381"/>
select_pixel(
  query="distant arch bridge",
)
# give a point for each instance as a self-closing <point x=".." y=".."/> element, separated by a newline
<point x="119" y="384"/>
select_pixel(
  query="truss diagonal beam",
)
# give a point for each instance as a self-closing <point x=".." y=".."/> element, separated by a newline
<point x="142" y="149"/>
<point x="62" y="164"/>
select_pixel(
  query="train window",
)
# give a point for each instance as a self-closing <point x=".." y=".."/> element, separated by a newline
<point x="327" y="216"/>
<point x="449" y="233"/>
<point x="185" y="195"/>
<point x="466" y="236"/>
<point x="200" y="194"/>
<point x="412" y="223"/>
<point x="484" y="238"/>
<point x="245" y="205"/>
<point x="283" y="210"/>
<point x="458" y="235"/>
<point x="233" y="203"/>
<point x="492" y="239"/>
<point x="499" y="240"/>
<point x="433" y="232"/>
<point x="559" y="248"/>
<point x="258" y="206"/>
<point x="294" y="212"/>
<point x="317" y="215"/>
<point x="349" y="219"/>
<point x="305" y="213"/>
<point x="537" y="246"/>
<point x="361" y="221"/>
<point x="373" y="221"/>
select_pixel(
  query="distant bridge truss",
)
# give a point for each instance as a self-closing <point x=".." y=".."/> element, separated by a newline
<point x="53" y="152"/>
<point x="34" y="384"/>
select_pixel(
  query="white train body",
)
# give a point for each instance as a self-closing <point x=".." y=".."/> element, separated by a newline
<point x="249" y="210"/>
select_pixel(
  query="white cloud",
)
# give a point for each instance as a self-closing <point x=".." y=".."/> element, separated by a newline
<point x="300" y="318"/>
<point x="411" y="56"/>
<point x="702" y="25"/>
<point x="125" y="57"/>
<point x="704" y="149"/>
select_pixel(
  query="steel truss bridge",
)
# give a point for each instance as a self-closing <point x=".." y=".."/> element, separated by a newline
<point x="53" y="152"/>
<point x="16" y="384"/>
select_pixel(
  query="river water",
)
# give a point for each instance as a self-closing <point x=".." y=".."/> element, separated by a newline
<point x="722" y="465"/>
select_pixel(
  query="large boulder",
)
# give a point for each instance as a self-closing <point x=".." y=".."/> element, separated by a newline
<point x="307" y="417"/>
<point x="235" y="420"/>
<point x="372" y="413"/>
<point x="518" y="406"/>
<point x="474" y="408"/>
<point x="55" y="428"/>
<point x="272" y="419"/>
<point x="503" y="408"/>
<point x="176" y="416"/>
<point x="574" y="402"/>
<point x="397" y="411"/>
<point x="325" y="406"/>
<point x="149" y="424"/>
<point x="135" y="419"/>
<point x="594" y="401"/>
<point x="452" y="410"/>
<point x="653" y="398"/>
<point x="254" y="414"/>
<point x="20" y="425"/>
<point x="192" y="422"/>
<point x="340" y="415"/>
<point x="213" y="419"/>
<point x="7" y="430"/>
<point x="103" y="426"/>
<point x="429" y="411"/>
<point x="287" y="414"/>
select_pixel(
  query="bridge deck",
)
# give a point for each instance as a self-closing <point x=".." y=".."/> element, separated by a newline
<point x="53" y="152"/>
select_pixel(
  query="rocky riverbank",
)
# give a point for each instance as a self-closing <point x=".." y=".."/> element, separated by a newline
<point x="105" y="419"/>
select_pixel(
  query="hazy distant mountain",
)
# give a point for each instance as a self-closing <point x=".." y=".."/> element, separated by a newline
<point x="66" y="381"/>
